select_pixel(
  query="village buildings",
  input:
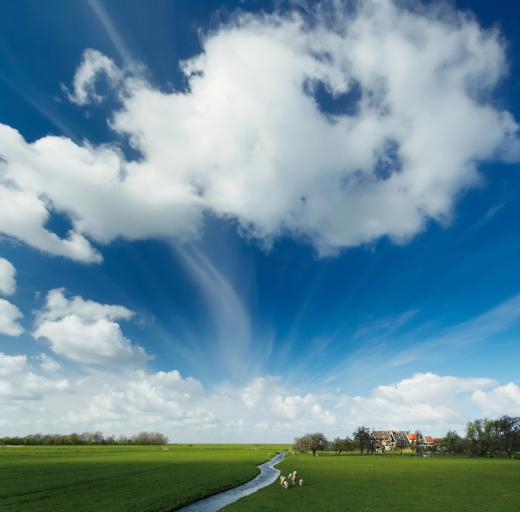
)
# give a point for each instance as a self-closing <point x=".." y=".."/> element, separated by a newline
<point x="386" y="440"/>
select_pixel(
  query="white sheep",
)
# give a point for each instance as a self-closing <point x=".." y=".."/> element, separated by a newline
<point x="300" y="483"/>
<point x="292" y="476"/>
<point x="285" y="484"/>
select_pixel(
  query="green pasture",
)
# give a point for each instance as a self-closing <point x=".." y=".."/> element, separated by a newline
<point x="152" y="479"/>
<point x="392" y="484"/>
<point x="121" y="478"/>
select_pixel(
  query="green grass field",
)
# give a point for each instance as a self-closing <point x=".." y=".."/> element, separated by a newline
<point x="392" y="483"/>
<point x="121" y="478"/>
<point x="146" y="479"/>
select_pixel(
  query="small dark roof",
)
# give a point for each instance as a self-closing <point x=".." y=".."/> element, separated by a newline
<point x="401" y="435"/>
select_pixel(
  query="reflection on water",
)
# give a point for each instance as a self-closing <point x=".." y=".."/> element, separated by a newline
<point x="268" y="474"/>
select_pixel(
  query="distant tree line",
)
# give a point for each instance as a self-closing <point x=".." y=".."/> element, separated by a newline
<point x="483" y="438"/>
<point x="314" y="443"/>
<point x="86" y="438"/>
<point x="317" y="442"/>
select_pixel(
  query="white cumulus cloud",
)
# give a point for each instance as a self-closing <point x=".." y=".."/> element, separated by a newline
<point x="12" y="364"/>
<point x="9" y="317"/>
<point x="248" y="141"/>
<point x="18" y="381"/>
<point x="425" y="400"/>
<point x="9" y="313"/>
<point x="25" y="213"/>
<point x="86" y="331"/>
<point x="259" y="410"/>
<point x="7" y="277"/>
<point x="48" y="364"/>
<point x="428" y="387"/>
<point x="268" y="394"/>
<point x="500" y="400"/>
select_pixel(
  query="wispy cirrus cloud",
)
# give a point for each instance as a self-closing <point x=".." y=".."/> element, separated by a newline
<point x="389" y="346"/>
<point x="479" y="329"/>
<point x="229" y="346"/>
<point x="112" y="32"/>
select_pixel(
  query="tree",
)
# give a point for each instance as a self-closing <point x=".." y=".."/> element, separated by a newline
<point x="418" y="442"/>
<point x="149" y="438"/>
<point x="339" y="445"/>
<point x="362" y="437"/>
<point x="317" y="442"/>
<point x="350" y="444"/>
<point x="482" y="436"/>
<point x="452" y="443"/>
<point x="508" y="435"/>
<point x="372" y="445"/>
<point x="299" y="445"/>
<point x="313" y="443"/>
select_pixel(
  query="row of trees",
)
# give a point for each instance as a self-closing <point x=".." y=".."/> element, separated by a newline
<point x="85" y="438"/>
<point x="361" y="441"/>
<point x="484" y="438"/>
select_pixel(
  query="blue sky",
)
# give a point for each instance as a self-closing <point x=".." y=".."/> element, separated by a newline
<point x="265" y="240"/>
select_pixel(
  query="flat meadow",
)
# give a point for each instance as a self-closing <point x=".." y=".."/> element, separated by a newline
<point x="121" y="478"/>
<point x="155" y="479"/>
<point x="391" y="483"/>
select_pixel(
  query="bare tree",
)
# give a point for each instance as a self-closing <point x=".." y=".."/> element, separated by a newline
<point x="149" y="438"/>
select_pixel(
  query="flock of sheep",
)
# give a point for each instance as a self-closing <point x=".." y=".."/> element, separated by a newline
<point x="284" y="480"/>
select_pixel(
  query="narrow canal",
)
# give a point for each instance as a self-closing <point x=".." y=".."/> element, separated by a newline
<point x="268" y="474"/>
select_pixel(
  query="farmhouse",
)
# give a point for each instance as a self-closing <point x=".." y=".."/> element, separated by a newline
<point x="429" y="442"/>
<point x="412" y="438"/>
<point x="400" y="439"/>
<point x="386" y="440"/>
<point x="382" y="439"/>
